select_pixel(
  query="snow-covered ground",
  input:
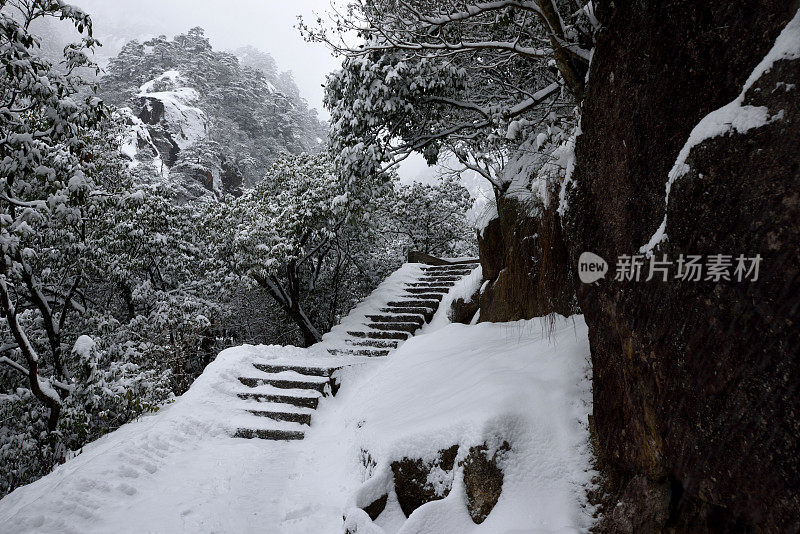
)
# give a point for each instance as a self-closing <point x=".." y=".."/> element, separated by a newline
<point x="179" y="471"/>
<point x="461" y="385"/>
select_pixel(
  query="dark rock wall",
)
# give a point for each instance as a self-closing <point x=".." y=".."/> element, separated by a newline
<point x="526" y="262"/>
<point x="696" y="384"/>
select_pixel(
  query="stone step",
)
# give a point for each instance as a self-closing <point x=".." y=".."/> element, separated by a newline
<point x="303" y="370"/>
<point x="397" y="318"/>
<point x="440" y="278"/>
<point x="283" y="383"/>
<point x="378" y="343"/>
<point x="398" y="327"/>
<point x="271" y="434"/>
<point x="294" y="417"/>
<point x="426" y="313"/>
<point x="375" y="334"/>
<point x="426" y="290"/>
<point x="449" y="268"/>
<point x="432" y="304"/>
<point x="450" y="272"/>
<point x="426" y="296"/>
<point x="361" y="352"/>
<point x="303" y="402"/>
<point x="431" y="284"/>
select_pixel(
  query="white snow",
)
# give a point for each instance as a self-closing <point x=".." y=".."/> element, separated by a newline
<point x="135" y="133"/>
<point x="732" y="117"/>
<point x="171" y="76"/>
<point x="175" y="471"/>
<point x="457" y="385"/>
<point x="189" y="124"/>
<point x="179" y="471"/>
<point x="84" y="346"/>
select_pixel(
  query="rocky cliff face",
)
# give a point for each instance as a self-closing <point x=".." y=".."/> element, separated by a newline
<point x="525" y="260"/>
<point x="696" y="383"/>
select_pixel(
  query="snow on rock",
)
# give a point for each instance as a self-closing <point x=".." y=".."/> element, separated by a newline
<point x="135" y="137"/>
<point x="735" y="116"/>
<point x="456" y="385"/>
<point x="187" y="123"/>
<point x="170" y="76"/>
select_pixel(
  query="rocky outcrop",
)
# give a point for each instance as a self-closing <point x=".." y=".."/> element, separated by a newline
<point x="483" y="480"/>
<point x="696" y="403"/>
<point x="526" y="263"/>
<point x="416" y="481"/>
<point x="152" y="113"/>
<point x="463" y="310"/>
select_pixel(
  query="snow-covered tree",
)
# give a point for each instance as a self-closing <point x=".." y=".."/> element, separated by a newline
<point x="46" y="186"/>
<point x="469" y="79"/>
<point x="429" y="218"/>
<point x="103" y="286"/>
<point x="284" y="228"/>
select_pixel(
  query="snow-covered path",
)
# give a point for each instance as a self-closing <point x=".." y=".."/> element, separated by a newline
<point x="221" y="486"/>
<point x="181" y="471"/>
<point x="176" y="471"/>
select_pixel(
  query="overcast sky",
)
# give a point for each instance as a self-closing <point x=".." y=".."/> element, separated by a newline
<point x="265" y="24"/>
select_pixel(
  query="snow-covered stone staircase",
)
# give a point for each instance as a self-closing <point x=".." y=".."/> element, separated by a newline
<point x="278" y="398"/>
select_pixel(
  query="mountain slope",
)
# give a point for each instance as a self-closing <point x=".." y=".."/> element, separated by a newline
<point x="213" y="120"/>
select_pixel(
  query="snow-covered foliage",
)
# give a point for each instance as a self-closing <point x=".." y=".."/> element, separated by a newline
<point x="473" y="82"/>
<point x="295" y="236"/>
<point x="85" y="254"/>
<point x="55" y="178"/>
<point x="238" y="113"/>
<point x="44" y="185"/>
<point x="429" y="218"/>
<point x="542" y="165"/>
<point x="284" y="229"/>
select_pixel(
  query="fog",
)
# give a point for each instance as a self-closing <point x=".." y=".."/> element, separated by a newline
<point x="265" y="24"/>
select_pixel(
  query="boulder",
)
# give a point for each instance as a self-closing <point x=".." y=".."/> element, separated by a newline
<point x="483" y="480"/>
<point x="524" y="257"/>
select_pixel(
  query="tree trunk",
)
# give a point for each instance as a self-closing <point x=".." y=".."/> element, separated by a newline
<point x="310" y="334"/>
<point x="290" y="303"/>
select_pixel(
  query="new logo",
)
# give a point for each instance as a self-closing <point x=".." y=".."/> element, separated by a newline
<point x="591" y="267"/>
